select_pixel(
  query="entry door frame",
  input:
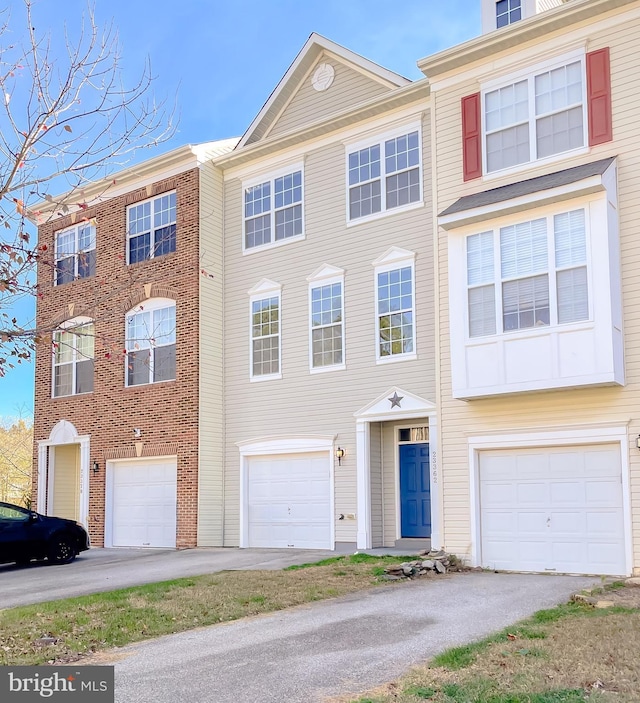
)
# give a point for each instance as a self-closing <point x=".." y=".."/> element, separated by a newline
<point x="63" y="433"/>
<point x="601" y="434"/>
<point x="397" y="444"/>
<point x="396" y="406"/>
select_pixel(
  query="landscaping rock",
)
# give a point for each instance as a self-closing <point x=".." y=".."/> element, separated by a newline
<point x="604" y="604"/>
<point x="438" y="562"/>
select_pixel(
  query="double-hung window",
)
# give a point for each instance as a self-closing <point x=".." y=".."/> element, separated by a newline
<point x="265" y="337"/>
<point x="508" y="12"/>
<point x="384" y="175"/>
<point x="151" y="342"/>
<point x="528" y="274"/>
<point x="73" y="353"/>
<point x="326" y="311"/>
<point x="75" y="253"/>
<point x="151" y="228"/>
<point x="535" y="117"/>
<point x="273" y="210"/>
<point x="395" y="305"/>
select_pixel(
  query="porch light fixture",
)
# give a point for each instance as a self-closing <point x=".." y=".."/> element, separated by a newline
<point x="340" y="454"/>
<point x="96" y="467"/>
<point x="638" y="441"/>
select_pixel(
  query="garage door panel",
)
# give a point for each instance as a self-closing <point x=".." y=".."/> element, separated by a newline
<point x="530" y="521"/>
<point x="530" y="494"/>
<point x="568" y="517"/>
<point x="499" y="467"/>
<point x="604" y="493"/>
<point x="499" y="495"/>
<point x="602" y="463"/>
<point x="289" y="501"/>
<point x="568" y="493"/>
<point x="531" y="466"/>
<point x="607" y="524"/>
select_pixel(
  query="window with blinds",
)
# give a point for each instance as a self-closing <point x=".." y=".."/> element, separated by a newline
<point x="538" y="268"/>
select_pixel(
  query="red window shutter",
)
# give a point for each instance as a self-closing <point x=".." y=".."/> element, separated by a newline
<point x="471" y="137"/>
<point x="599" y="97"/>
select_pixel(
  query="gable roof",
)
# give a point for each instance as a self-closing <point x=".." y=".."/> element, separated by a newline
<point x="315" y="46"/>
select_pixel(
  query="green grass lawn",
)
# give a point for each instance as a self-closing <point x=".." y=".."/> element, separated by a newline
<point x="92" y="623"/>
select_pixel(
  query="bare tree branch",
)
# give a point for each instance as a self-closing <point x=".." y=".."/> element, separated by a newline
<point x="67" y="119"/>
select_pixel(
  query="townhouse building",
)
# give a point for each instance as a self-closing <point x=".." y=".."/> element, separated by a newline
<point x="535" y="202"/>
<point x="329" y="346"/>
<point x="119" y="390"/>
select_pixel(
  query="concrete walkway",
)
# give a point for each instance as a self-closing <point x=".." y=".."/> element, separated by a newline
<point x="341" y="646"/>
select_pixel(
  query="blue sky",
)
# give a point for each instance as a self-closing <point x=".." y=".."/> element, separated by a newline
<point x="221" y="60"/>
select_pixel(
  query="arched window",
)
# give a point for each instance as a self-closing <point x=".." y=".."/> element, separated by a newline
<point x="73" y="352"/>
<point x="151" y="342"/>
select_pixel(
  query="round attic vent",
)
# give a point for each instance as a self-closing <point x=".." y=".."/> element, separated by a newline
<point x="323" y="77"/>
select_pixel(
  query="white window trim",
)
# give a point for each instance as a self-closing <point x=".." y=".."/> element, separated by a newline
<point x="271" y="177"/>
<point x="380" y="138"/>
<point x="265" y="289"/>
<point x="148" y="306"/>
<point x="395" y="258"/>
<point x="529" y="74"/>
<point x="76" y="251"/>
<point x="69" y="324"/>
<point x="151" y="242"/>
<point x="325" y="276"/>
<point x="551" y="271"/>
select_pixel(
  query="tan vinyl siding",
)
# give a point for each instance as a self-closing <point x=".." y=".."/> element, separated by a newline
<point x="375" y="461"/>
<point x="586" y="407"/>
<point x="320" y="403"/>
<point x="349" y="88"/>
<point x="66" y="481"/>
<point x="211" y="413"/>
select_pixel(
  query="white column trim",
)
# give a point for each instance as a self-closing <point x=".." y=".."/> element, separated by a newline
<point x="363" y="483"/>
<point x="83" y="516"/>
<point x="41" y="501"/>
<point x="435" y="478"/>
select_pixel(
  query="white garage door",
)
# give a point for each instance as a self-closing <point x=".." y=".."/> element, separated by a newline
<point x="144" y="504"/>
<point x="556" y="509"/>
<point x="289" y="501"/>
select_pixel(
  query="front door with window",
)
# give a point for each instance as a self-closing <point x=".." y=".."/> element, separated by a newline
<point x="415" y="491"/>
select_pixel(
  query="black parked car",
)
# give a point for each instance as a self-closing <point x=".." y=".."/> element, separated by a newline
<point x="27" y="535"/>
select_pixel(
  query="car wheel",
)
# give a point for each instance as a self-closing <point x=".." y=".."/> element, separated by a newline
<point x="61" y="550"/>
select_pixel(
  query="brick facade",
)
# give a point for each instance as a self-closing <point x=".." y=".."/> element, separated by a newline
<point x="166" y="412"/>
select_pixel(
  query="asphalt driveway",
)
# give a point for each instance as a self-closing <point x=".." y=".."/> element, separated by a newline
<point x="107" y="569"/>
<point x="341" y="646"/>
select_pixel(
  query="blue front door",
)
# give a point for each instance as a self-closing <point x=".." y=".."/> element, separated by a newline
<point x="415" y="491"/>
